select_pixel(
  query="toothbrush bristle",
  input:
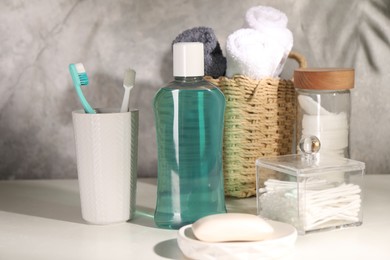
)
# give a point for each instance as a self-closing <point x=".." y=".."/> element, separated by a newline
<point x="82" y="74"/>
<point x="80" y="68"/>
<point x="129" y="78"/>
<point x="83" y="78"/>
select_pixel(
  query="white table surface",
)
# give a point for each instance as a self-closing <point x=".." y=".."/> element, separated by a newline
<point x="41" y="219"/>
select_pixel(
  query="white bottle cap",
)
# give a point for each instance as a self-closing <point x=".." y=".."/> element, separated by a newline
<point x="188" y="59"/>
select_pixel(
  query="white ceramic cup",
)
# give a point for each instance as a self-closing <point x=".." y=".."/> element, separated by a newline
<point x="107" y="152"/>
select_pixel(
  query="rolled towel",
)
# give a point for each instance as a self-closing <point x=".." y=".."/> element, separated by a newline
<point x="251" y="53"/>
<point x="272" y="23"/>
<point x="214" y="61"/>
<point x="258" y="17"/>
<point x="283" y="37"/>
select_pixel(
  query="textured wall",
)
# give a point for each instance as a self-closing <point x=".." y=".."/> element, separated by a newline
<point x="38" y="40"/>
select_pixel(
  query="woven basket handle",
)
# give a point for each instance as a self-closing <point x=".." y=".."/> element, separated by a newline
<point x="299" y="58"/>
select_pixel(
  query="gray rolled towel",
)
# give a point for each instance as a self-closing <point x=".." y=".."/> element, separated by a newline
<point x="214" y="61"/>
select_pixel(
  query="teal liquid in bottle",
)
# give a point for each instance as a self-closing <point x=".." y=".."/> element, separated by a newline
<point x="189" y="114"/>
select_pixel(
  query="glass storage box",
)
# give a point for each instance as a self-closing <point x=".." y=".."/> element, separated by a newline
<point x="310" y="191"/>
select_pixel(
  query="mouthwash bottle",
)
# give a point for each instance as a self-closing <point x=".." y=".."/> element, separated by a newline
<point x="189" y="115"/>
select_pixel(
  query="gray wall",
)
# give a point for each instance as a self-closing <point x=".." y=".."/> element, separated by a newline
<point x="38" y="40"/>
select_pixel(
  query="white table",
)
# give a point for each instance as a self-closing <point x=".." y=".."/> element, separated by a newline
<point x="41" y="219"/>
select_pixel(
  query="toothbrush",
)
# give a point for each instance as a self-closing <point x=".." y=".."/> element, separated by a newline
<point x="80" y="78"/>
<point x="128" y="84"/>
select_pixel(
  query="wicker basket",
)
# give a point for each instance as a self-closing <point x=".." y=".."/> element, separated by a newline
<point x="259" y="121"/>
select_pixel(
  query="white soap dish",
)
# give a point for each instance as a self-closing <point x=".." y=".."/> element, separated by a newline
<point x="280" y="244"/>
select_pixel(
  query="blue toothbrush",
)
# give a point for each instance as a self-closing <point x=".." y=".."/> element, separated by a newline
<point x="80" y="78"/>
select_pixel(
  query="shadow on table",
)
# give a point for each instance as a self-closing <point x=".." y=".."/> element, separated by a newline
<point x="45" y="199"/>
<point x="58" y="200"/>
<point x="143" y="217"/>
<point x="169" y="249"/>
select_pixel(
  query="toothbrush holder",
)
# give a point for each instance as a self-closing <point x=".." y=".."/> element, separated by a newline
<point x="107" y="152"/>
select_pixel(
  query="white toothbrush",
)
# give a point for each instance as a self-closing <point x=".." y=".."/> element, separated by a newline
<point x="128" y="84"/>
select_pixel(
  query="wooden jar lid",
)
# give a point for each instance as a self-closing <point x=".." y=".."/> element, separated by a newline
<point x="324" y="78"/>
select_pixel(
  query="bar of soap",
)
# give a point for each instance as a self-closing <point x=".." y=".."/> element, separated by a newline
<point x="231" y="227"/>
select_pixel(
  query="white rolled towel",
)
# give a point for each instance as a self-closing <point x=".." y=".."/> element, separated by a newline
<point x="272" y="23"/>
<point x="283" y="37"/>
<point x="258" y="17"/>
<point x="251" y="53"/>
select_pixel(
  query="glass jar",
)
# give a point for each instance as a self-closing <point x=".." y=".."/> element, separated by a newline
<point x="324" y="107"/>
